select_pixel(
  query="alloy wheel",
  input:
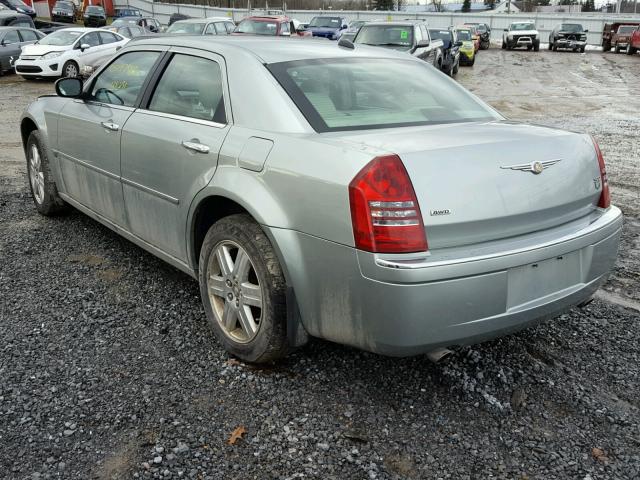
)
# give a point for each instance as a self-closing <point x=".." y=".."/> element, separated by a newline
<point x="234" y="291"/>
<point x="36" y="175"/>
<point x="71" y="70"/>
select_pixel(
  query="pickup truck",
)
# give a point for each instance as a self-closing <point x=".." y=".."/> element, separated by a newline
<point x="9" y="18"/>
<point x="609" y="32"/>
<point x="634" y="42"/>
<point x="411" y="36"/>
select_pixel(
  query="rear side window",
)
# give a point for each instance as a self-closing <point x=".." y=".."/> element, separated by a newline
<point x="220" y="30"/>
<point x="121" y="82"/>
<point x="11" y="37"/>
<point x="363" y="93"/>
<point x="28" y="35"/>
<point x="197" y="95"/>
<point x="90" y="39"/>
<point x="107" y="37"/>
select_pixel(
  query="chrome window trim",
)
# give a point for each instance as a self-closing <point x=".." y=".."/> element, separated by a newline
<point x="172" y="116"/>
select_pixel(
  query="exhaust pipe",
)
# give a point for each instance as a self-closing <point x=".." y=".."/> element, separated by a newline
<point x="439" y="354"/>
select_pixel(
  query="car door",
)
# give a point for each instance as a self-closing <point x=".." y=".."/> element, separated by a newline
<point x="431" y="53"/>
<point x="89" y="47"/>
<point x="10" y="48"/>
<point x="170" y="147"/>
<point x="89" y="133"/>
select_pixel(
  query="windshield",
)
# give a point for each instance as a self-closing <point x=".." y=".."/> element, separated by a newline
<point x="63" y="6"/>
<point x="523" y="26"/>
<point x="464" y="35"/>
<point x="363" y="93"/>
<point x="257" y="27"/>
<point x="626" y="29"/>
<point x="95" y="10"/>
<point x="60" y="38"/>
<point x="571" y="27"/>
<point x="325" y="22"/>
<point x="186" y="28"/>
<point x="386" y="35"/>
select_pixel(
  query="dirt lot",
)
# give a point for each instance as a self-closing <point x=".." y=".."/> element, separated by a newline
<point x="107" y="368"/>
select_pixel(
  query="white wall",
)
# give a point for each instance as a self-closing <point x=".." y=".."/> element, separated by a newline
<point x="545" y="22"/>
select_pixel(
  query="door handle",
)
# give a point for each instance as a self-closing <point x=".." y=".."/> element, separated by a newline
<point x="196" y="147"/>
<point x="110" y="126"/>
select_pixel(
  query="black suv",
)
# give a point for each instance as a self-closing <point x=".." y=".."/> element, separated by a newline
<point x="63" y="12"/>
<point x="450" y="49"/>
<point x="568" y="35"/>
<point x="94" y="16"/>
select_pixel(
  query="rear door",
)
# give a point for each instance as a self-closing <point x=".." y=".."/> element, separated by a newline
<point x="10" y="49"/>
<point x="170" y="147"/>
<point x="89" y="132"/>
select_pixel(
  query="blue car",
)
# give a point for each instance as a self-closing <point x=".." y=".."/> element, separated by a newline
<point x="327" y="27"/>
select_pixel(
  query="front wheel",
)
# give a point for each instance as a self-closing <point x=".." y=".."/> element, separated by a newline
<point x="630" y="50"/>
<point x="536" y="47"/>
<point x="43" y="188"/>
<point x="504" y="45"/>
<point x="243" y="290"/>
<point x="617" y="48"/>
<point x="70" y="69"/>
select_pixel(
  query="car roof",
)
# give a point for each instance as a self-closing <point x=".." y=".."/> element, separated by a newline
<point x="268" y="50"/>
<point x="267" y="17"/>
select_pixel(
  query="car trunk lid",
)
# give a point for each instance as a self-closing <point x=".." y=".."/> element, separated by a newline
<point x="478" y="182"/>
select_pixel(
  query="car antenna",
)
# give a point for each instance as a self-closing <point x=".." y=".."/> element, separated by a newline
<point x="346" y="43"/>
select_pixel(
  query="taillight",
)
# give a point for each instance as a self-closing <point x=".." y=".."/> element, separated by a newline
<point x="384" y="209"/>
<point x="605" y="196"/>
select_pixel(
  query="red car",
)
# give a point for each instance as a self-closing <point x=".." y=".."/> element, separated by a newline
<point x="277" y="26"/>
<point x="634" y="42"/>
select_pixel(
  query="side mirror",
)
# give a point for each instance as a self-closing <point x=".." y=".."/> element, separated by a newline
<point x="84" y="46"/>
<point x="422" y="43"/>
<point x="70" y="87"/>
<point x="153" y="28"/>
<point x="506" y="29"/>
<point x="586" y="31"/>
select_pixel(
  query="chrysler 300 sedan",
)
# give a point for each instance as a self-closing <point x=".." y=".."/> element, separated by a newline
<point x="317" y="190"/>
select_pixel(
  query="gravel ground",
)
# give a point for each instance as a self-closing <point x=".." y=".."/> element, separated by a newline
<point x="108" y="370"/>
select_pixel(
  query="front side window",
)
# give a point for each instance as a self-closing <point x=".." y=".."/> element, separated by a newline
<point x="364" y="93"/>
<point x="197" y="95"/>
<point x="90" y="39"/>
<point x="229" y="26"/>
<point x="395" y="36"/>
<point x="121" y="82"/>
<point x="11" y="37"/>
<point x="210" y="30"/>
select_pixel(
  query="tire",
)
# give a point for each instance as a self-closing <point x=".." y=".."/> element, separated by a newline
<point x="550" y="45"/>
<point x="630" y="50"/>
<point x="456" y="67"/>
<point x="472" y="61"/>
<point x="69" y="67"/>
<point x="582" y="49"/>
<point x="555" y="47"/>
<point x="504" y="45"/>
<point x="617" y="49"/>
<point x="43" y="189"/>
<point x="268" y="340"/>
<point x="529" y="47"/>
<point x="536" y="47"/>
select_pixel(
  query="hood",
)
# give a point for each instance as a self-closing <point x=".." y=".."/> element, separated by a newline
<point x="38" y="50"/>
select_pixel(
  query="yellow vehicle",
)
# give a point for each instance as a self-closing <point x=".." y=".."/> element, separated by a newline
<point x="467" y="50"/>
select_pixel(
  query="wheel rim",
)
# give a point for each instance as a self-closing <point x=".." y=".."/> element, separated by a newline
<point x="36" y="176"/>
<point x="71" y="70"/>
<point x="234" y="291"/>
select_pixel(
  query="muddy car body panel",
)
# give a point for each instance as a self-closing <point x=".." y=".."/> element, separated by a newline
<point x="512" y="216"/>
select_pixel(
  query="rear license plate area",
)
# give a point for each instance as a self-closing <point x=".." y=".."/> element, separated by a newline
<point x="530" y="282"/>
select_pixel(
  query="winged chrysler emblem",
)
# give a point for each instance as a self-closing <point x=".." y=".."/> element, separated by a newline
<point x="533" y="167"/>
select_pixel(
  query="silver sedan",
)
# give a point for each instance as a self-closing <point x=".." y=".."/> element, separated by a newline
<point x="356" y="195"/>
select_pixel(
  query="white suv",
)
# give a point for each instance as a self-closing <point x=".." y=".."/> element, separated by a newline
<point x="521" y="34"/>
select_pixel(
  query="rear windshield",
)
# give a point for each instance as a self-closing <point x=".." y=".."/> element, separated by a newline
<point x="257" y="27"/>
<point x="60" y="38"/>
<point x="626" y="29"/>
<point x="326" y="22"/>
<point x="443" y="35"/>
<point x="571" y="27"/>
<point x="398" y="36"/>
<point x="364" y="93"/>
<point x="187" y="28"/>
<point x="464" y="35"/>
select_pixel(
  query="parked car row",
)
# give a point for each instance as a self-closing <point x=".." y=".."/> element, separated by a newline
<point x="621" y="37"/>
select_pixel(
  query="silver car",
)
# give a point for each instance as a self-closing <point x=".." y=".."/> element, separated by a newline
<point x="356" y="195"/>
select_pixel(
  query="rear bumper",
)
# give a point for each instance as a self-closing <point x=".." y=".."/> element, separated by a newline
<point x="411" y="307"/>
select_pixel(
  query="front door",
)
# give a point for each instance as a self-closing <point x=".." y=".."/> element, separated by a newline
<point x="170" y="148"/>
<point x="89" y="133"/>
